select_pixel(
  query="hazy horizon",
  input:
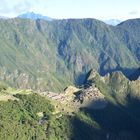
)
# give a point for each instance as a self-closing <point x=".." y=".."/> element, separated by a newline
<point x="64" y="9"/>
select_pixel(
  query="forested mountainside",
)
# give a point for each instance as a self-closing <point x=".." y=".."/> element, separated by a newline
<point x="28" y="115"/>
<point x="49" y="55"/>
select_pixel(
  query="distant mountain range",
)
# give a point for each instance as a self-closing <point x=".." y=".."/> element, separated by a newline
<point x="113" y="22"/>
<point x="2" y="17"/>
<point x="34" y="16"/>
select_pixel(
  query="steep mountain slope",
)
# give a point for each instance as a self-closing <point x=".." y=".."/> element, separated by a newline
<point x="117" y="88"/>
<point x="47" y="55"/>
<point x="27" y="60"/>
<point x="128" y="32"/>
<point x="122" y="113"/>
<point x="34" y="117"/>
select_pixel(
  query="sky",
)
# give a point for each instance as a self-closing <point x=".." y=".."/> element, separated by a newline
<point x="60" y="9"/>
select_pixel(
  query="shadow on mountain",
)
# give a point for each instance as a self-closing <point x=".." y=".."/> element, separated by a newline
<point x="83" y="131"/>
<point x="116" y="123"/>
<point x="81" y="78"/>
<point x="129" y="73"/>
<point x="135" y="74"/>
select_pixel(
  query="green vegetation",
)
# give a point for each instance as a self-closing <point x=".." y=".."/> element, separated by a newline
<point x="3" y="86"/>
<point x="32" y="116"/>
<point x="19" y="120"/>
<point x="47" y="55"/>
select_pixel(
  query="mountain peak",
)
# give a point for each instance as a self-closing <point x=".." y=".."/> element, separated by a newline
<point x="34" y="16"/>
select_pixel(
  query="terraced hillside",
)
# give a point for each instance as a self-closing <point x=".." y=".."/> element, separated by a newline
<point x="104" y="108"/>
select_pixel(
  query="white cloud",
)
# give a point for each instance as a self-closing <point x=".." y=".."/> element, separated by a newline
<point x="14" y="7"/>
<point x="99" y="9"/>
